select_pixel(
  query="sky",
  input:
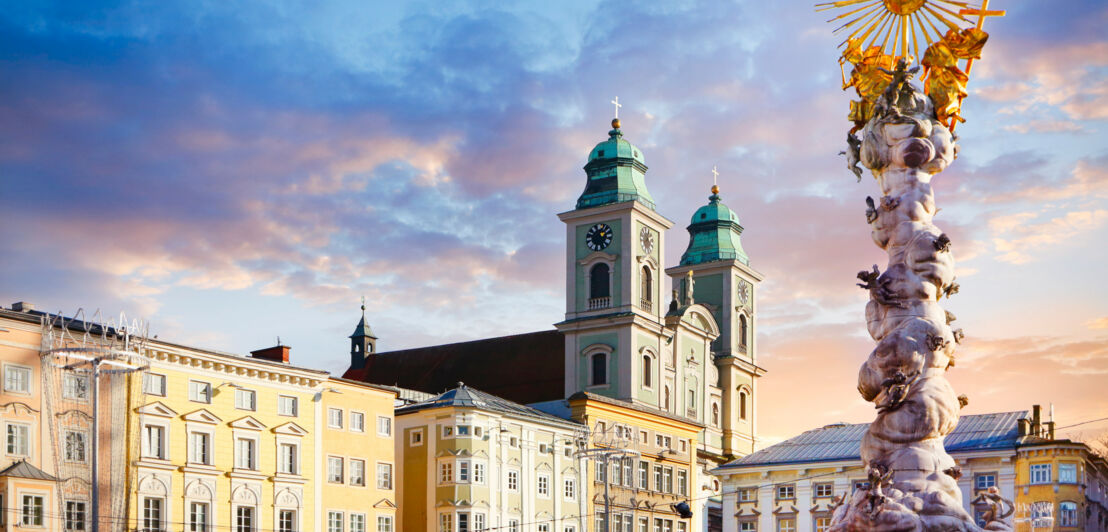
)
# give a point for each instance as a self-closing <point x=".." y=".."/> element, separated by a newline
<point x="234" y="172"/>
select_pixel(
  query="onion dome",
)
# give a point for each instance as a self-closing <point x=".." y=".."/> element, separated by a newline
<point x="714" y="234"/>
<point x="616" y="173"/>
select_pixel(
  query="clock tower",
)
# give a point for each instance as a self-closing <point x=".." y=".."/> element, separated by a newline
<point x="615" y="244"/>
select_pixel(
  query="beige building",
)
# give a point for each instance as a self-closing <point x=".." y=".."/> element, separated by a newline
<point x="471" y="460"/>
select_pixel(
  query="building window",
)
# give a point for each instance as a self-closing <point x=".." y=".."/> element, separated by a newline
<point x="984" y="481"/>
<point x="446" y="474"/>
<point x="153" y="384"/>
<point x="357" y="472"/>
<point x="1067" y="473"/>
<point x="245" y="400"/>
<point x="544" y="485"/>
<point x="478" y="473"/>
<point x="287" y="461"/>
<point x="74" y="446"/>
<point x="75" y="387"/>
<point x="463" y="472"/>
<point x="748" y="526"/>
<point x="786" y="524"/>
<point x="748" y="494"/>
<point x="200" y="392"/>
<point x="198" y="517"/>
<point x="644" y="475"/>
<point x="715" y="414"/>
<point x="446" y="522"/>
<point x="628" y="464"/>
<point x="384" y="523"/>
<point x="1040" y="473"/>
<point x="682" y="482"/>
<point x="153" y="442"/>
<point x="513" y="525"/>
<point x="357" y="522"/>
<point x="658" y="478"/>
<point x="860" y="485"/>
<point x="384" y="476"/>
<point x="786" y="492"/>
<point x="743" y="327"/>
<point x="415" y="437"/>
<point x="200" y="448"/>
<point x="286" y="405"/>
<point x="17" y="379"/>
<point x="823" y="523"/>
<point x="644" y="524"/>
<point x="665" y="399"/>
<point x="479" y="521"/>
<point x="334" y="418"/>
<point x="286" y="521"/>
<point x="691" y="407"/>
<point x="742" y="405"/>
<point x="599" y="369"/>
<point x="244" y="519"/>
<point x="598" y="282"/>
<point x="246" y="454"/>
<point x="152" y="515"/>
<point x="334" y="469"/>
<point x="463" y="522"/>
<point x="384" y="426"/>
<point x="570" y="489"/>
<point x="357" y="422"/>
<point x="647" y="289"/>
<point x="1067" y="512"/>
<point x="75" y="515"/>
<point x="1041" y="514"/>
<point x="513" y="480"/>
<point x="334" y="521"/>
<point x="823" y="490"/>
<point x="667" y="479"/>
<point x="646" y="372"/>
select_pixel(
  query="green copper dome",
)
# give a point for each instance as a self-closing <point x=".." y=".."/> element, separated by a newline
<point x="714" y="235"/>
<point x="616" y="173"/>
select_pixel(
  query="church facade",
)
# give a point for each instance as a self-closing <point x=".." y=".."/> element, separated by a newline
<point x="689" y="354"/>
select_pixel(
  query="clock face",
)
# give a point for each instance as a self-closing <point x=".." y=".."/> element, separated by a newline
<point x="598" y="237"/>
<point x="646" y="238"/>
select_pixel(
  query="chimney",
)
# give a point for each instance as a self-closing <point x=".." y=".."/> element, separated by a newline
<point x="23" y="306"/>
<point x="1036" y="419"/>
<point x="1049" y="430"/>
<point x="1023" y="425"/>
<point x="277" y="353"/>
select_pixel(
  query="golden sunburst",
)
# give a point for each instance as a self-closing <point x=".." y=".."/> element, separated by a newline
<point x="898" y="26"/>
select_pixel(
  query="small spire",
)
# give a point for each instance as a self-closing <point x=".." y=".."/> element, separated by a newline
<point x="715" y="183"/>
<point x="363" y="305"/>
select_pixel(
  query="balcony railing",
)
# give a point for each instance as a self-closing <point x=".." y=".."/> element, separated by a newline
<point x="600" y="302"/>
<point x="646" y="304"/>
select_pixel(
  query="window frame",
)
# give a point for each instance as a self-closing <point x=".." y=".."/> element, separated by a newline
<point x="68" y="515"/>
<point x="148" y="378"/>
<point x="29" y="380"/>
<point x="357" y="421"/>
<point x="200" y="392"/>
<point x="389" y="476"/>
<point x="335" y="418"/>
<point x="332" y="477"/>
<point x="387" y="432"/>
<point x="292" y="401"/>
<point x="351" y="478"/>
<point x="1035" y="474"/>
<point x="74" y="377"/>
<point x="243" y="392"/>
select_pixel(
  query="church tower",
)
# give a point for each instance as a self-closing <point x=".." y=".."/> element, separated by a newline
<point x="363" y="343"/>
<point x="717" y="271"/>
<point x="615" y="244"/>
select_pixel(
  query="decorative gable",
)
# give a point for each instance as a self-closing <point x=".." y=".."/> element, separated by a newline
<point x="543" y="466"/>
<point x="384" y="503"/>
<point x="157" y="409"/>
<point x="202" y="416"/>
<point x="290" y="429"/>
<point x="247" y="423"/>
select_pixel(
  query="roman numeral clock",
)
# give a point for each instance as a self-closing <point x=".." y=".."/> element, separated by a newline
<point x="598" y="237"/>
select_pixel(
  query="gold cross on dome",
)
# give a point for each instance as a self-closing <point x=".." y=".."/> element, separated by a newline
<point x="618" y="105"/>
<point x="715" y="176"/>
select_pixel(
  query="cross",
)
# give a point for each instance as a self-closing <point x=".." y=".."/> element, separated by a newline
<point x="618" y="105"/>
<point x="715" y="175"/>
<point x="363" y="303"/>
<point x="981" y="13"/>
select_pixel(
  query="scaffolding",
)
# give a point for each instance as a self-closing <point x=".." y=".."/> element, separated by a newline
<point x="91" y="380"/>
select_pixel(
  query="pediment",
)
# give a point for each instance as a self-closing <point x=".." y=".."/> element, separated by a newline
<point x="384" y="503"/>
<point x="290" y="429"/>
<point x="597" y="256"/>
<point x="480" y="454"/>
<point x="156" y="409"/>
<point x="544" y="467"/>
<point x="569" y="471"/>
<point x="202" y="416"/>
<point x="448" y="452"/>
<point x="248" y="423"/>
<point x="513" y="461"/>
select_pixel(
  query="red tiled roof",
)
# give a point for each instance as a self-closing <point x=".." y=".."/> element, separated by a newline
<point x="525" y="368"/>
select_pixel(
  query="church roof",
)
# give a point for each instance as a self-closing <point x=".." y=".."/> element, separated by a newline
<point x="616" y="173"/>
<point x="714" y="234"/>
<point x="22" y="469"/>
<point x="525" y="368"/>
<point x="363" y="328"/>
<point x="842" y="441"/>
<point x="464" y="396"/>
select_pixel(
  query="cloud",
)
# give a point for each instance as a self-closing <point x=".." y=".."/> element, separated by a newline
<point x="1019" y="241"/>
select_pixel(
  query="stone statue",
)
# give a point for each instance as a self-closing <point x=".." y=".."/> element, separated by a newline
<point x="913" y="484"/>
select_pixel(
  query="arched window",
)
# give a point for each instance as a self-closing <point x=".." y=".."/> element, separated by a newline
<point x="742" y="405"/>
<point x="715" y="415"/>
<point x="598" y="281"/>
<point x="647" y="371"/>
<point x="599" y="369"/>
<point x="1067" y="514"/>
<point x="665" y="402"/>
<point x="647" y="291"/>
<point x="742" y="331"/>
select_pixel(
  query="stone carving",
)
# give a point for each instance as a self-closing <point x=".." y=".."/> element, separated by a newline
<point x="913" y="481"/>
<point x="999" y="508"/>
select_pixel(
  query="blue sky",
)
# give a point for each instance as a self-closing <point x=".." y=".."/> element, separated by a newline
<point x="238" y="172"/>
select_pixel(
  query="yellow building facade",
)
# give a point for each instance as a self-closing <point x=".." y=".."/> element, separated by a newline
<point x="1060" y="485"/>
<point x="196" y="440"/>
